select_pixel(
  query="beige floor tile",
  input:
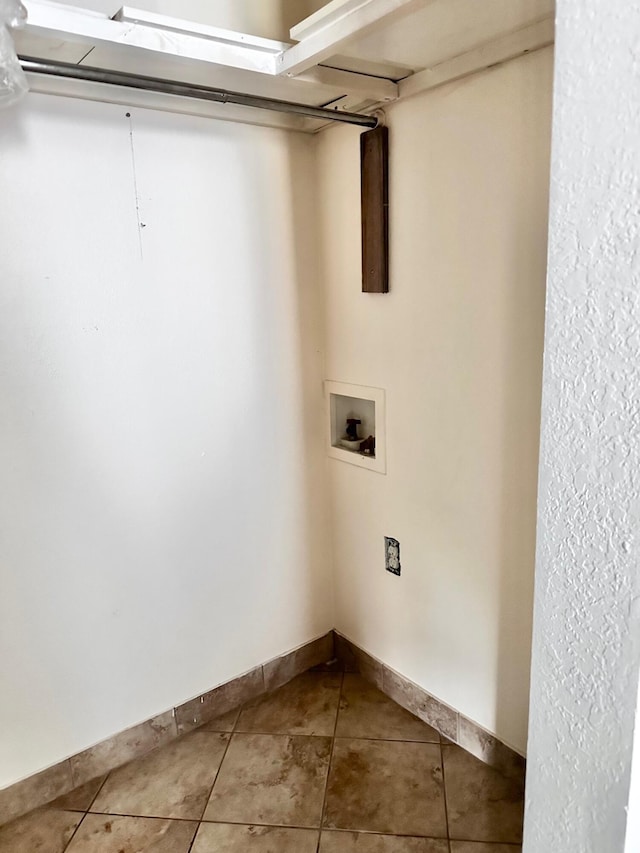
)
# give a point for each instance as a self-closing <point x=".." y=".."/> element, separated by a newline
<point x="385" y="793"/>
<point x="483" y="847"/>
<point x="174" y="781"/>
<point x="80" y="799"/>
<point x="365" y="712"/>
<point x="386" y="786"/>
<point x="235" y="838"/>
<point x="47" y="830"/>
<point x="225" y="723"/>
<point x="305" y="706"/>
<point x="482" y="804"/>
<point x="108" y="834"/>
<point x="272" y="779"/>
<point x="358" y="842"/>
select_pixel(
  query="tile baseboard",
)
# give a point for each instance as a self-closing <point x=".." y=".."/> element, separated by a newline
<point x="214" y="703"/>
<point x="49" y="784"/>
<point x="281" y="670"/>
<point x="36" y="790"/>
<point x="450" y="723"/>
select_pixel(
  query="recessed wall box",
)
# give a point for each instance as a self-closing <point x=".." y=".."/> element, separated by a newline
<point x="346" y="405"/>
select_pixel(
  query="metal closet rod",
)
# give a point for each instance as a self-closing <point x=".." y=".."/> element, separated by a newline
<point x="188" y="90"/>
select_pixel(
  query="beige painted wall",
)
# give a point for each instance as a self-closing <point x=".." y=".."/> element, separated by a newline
<point x="266" y="18"/>
<point x="146" y="433"/>
<point x="457" y="345"/>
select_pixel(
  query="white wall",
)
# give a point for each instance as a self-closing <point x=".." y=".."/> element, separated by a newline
<point x="161" y="455"/>
<point x="587" y="620"/>
<point x="457" y="345"/>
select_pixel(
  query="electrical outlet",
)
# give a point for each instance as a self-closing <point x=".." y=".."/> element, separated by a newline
<point x="392" y="555"/>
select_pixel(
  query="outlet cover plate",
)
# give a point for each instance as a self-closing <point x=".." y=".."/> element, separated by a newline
<point x="392" y="555"/>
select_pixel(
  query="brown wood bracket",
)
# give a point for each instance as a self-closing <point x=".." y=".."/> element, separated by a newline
<point x="374" y="174"/>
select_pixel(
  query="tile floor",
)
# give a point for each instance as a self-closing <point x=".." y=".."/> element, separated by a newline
<point x="325" y="764"/>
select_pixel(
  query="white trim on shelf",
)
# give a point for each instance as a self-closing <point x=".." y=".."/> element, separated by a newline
<point x="346" y="22"/>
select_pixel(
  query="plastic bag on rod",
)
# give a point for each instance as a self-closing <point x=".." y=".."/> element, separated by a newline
<point x="13" y="82"/>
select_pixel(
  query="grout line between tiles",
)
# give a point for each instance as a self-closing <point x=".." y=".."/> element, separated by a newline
<point x="333" y="743"/>
<point x="215" y="778"/>
<point x="93" y="799"/>
<point x="85" y="812"/>
<point x="267" y="825"/>
<point x="221" y="822"/>
<point x="326" y="829"/>
<point x="337" y="737"/>
<point x="444" y="797"/>
<point x="338" y="829"/>
<point x="287" y="734"/>
<point x="387" y="739"/>
<point x="75" y="832"/>
<point x="195" y="835"/>
<point x="231" y="733"/>
<point x="271" y="825"/>
<point x="147" y="816"/>
<point x="164" y="817"/>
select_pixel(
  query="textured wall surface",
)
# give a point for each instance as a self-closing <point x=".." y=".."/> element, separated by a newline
<point x="586" y="645"/>
<point x="633" y="820"/>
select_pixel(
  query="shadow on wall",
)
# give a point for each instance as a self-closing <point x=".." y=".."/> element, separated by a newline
<point x="290" y="328"/>
<point x="294" y="11"/>
<point x="524" y="307"/>
<point x="310" y="326"/>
